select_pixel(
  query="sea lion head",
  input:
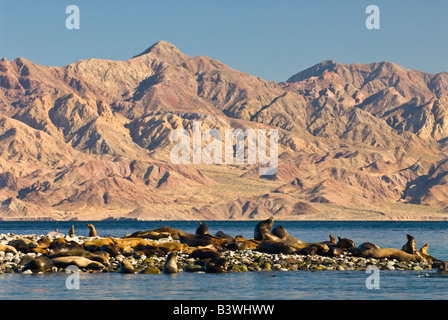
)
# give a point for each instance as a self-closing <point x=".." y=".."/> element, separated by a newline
<point x="280" y="232"/>
<point x="202" y="229"/>
<point x="345" y="244"/>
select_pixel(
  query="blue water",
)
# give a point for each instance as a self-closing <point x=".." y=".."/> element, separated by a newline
<point x="279" y="285"/>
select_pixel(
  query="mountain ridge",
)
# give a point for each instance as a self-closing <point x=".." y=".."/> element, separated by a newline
<point x="90" y="140"/>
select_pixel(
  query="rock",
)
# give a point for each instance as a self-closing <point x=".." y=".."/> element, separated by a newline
<point x="238" y="268"/>
<point x="194" y="268"/>
<point x="151" y="270"/>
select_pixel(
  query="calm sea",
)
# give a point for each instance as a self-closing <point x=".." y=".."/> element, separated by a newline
<point x="241" y="286"/>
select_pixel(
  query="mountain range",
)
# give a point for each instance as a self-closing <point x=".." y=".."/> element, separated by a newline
<point x="91" y="140"/>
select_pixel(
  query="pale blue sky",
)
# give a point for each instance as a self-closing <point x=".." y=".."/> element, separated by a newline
<point x="272" y="39"/>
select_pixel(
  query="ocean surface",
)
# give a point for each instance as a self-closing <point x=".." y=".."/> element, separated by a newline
<point x="328" y="285"/>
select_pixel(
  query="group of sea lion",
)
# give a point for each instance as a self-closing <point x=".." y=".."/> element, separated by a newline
<point x="279" y="241"/>
<point x="208" y="250"/>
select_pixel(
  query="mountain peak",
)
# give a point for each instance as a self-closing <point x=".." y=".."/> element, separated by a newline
<point x="165" y="51"/>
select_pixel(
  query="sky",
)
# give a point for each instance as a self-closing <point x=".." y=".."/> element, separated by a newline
<point x="272" y="39"/>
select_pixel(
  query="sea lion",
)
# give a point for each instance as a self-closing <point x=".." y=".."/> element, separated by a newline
<point x="424" y="253"/>
<point x="263" y="228"/>
<point x="270" y="246"/>
<point x="81" y="262"/>
<point x="195" y="240"/>
<point x="23" y="242"/>
<point x="216" y="265"/>
<point x="345" y="244"/>
<point x="367" y="246"/>
<point x="281" y="233"/>
<point x="202" y="229"/>
<point x="205" y="254"/>
<point x="239" y="243"/>
<point x="40" y="264"/>
<point x="389" y="253"/>
<point x="54" y="234"/>
<point x="71" y="232"/>
<point x="44" y="242"/>
<point x="150" y="234"/>
<point x="80" y="253"/>
<point x="334" y="252"/>
<point x="332" y="241"/>
<point x="222" y="235"/>
<point x="126" y="267"/>
<point x="99" y="242"/>
<point x="110" y="249"/>
<point x="410" y="246"/>
<point x="171" y="263"/>
<point x="7" y="248"/>
<point x="61" y="244"/>
<point x="26" y="246"/>
<point x="314" y="248"/>
<point x="165" y="231"/>
<point x="92" y="232"/>
<point x="172" y="246"/>
<point x="133" y="242"/>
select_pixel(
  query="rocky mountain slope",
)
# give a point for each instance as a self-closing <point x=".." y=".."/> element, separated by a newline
<point x="91" y="140"/>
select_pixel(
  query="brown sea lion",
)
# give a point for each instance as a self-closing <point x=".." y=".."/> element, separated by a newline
<point x="23" y="242"/>
<point x="150" y="234"/>
<point x="270" y="246"/>
<point x="334" y="251"/>
<point x="222" y="235"/>
<point x="424" y="253"/>
<point x="44" y="242"/>
<point x="171" y="263"/>
<point x="239" y="243"/>
<point x="71" y="232"/>
<point x="345" y="244"/>
<point x="110" y="249"/>
<point x="410" y="246"/>
<point x="80" y="253"/>
<point x="205" y="254"/>
<point x="81" y="262"/>
<point x="263" y="228"/>
<point x="389" y="253"/>
<point x="367" y="246"/>
<point x="92" y="232"/>
<point x="195" y="240"/>
<point x="99" y="242"/>
<point x="25" y="245"/>
<point x="332" y="241"/>
<point x="202" y="229"/>
<point x="216" y="265"/>
<point x="40" y="264"/>
<point x="314" y="248"/>
<point x="126" y="267"/>
<point x="7" y="248"/>
<point x="166" y="231"/>
<point x="60" y="244"/>
<point x="172" y="246"/>
<point x="282" y="234"/>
